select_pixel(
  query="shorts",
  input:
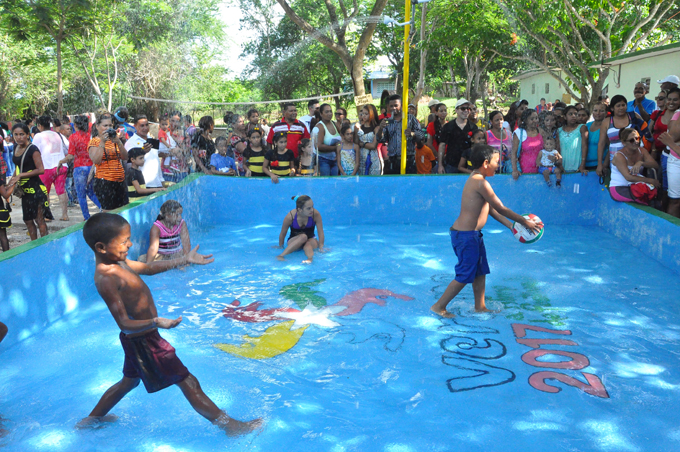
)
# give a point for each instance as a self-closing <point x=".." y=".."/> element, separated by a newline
<point x="471" y="254"/>
<point x="111" y="195"/>
<point x="50" y="177"/>
<point x="34" y="199"/>
<point x="622" y="194"/>
<point x="673" y="176"/>
<point x="5" y="217"/>
<point x="550" y="169"/>
<point x="152" y="359"/>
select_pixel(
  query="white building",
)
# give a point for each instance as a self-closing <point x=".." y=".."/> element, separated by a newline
<point x="625" y="71"/>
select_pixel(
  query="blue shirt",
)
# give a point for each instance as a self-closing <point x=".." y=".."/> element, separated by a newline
<point x="222" y="163"/>
<point x="649" y="105"/>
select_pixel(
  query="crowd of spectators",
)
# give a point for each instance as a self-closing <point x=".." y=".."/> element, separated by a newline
<point x="110" y="158"/>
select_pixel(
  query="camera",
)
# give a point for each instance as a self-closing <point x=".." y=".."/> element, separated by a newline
<point x="111" y="133"/>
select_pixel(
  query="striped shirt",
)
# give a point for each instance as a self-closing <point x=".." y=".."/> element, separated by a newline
<point x="296" y="132"/>
<point x="392" y="136"/>
<point x="110" y="168"/>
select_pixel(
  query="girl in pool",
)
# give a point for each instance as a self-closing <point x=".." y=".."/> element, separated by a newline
<point x="301" y="222"/>
<point x="169" y="236"/>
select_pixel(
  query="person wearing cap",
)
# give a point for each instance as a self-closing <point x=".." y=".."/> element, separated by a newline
<point x="122" y="116"/>
<point x="670" y="82"/>
<point x="456" y="137"/>
<point x="640" y="104"/>
<point x="432" y="105"/>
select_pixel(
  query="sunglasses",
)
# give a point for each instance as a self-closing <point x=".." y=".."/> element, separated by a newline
<point x="634" y="140"/>
<point x="464" y="108"/>
<point x="660" y="98"/>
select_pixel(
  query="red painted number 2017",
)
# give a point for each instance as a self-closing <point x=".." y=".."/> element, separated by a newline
<point x="577" y="361"/>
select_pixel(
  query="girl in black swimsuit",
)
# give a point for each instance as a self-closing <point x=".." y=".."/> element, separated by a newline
<point x="302" y="220"/>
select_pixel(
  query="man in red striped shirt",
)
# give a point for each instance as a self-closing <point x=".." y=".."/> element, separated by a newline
<point x="296" y="130"/>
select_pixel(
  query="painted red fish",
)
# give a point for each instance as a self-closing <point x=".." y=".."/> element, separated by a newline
<point x="252" y="314"/>
<point x="355" y="301"/>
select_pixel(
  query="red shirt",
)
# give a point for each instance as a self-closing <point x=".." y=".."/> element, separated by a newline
<point x="78" y="144"/>
<point x="296" y="133"/>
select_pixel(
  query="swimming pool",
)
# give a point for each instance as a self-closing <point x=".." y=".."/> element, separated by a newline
<point x="353" y="359"/>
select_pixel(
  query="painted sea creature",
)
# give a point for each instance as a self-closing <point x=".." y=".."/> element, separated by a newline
<point x="355" y="301"/>
<point x="252" y="314"/>
<point x="276" y="339"/>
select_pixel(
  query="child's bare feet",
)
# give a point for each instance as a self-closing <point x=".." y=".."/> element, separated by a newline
<point x="280" y="257"/>
<point x="95" y="422"/>
<point x="442" y="312"/>
<point x="232" y="427"/>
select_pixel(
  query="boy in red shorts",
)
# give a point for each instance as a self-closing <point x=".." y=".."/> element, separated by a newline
<point x="479" y="201"/>
<point x="148" y="357"/>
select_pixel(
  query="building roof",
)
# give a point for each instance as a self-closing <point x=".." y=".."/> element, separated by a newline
<point x="530" y="73"/>
<point x="379" y="74"/>
<point x="639" y="55"/>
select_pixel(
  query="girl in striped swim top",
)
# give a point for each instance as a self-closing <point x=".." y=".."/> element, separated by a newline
<point x="169" y="234"/>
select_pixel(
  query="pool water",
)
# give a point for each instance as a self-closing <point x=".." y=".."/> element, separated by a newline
<point x="344" y="354"/>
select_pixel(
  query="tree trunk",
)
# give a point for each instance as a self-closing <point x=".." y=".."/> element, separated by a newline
<point x="60" y="84"/>
<point x="420" y="86"/>
<point x="357" y="71"/>
<point x="454" y="84"/>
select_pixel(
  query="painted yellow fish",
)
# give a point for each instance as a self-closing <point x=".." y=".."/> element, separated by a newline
<point x="274" y="341"/>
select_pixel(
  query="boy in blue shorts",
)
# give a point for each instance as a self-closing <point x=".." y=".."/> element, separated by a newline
<point x="479" y="201"/>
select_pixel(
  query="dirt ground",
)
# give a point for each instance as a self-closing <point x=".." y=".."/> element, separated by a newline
<point x="18" y="233"/>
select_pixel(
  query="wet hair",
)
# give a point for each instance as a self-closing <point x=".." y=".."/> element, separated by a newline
<point x="278" y="136"/>
<point x="616" y="100"/>
<point x="139" y="118"/>
<point x="45" y="122"/>
<point x="134" y="153"/>
<point x="22" y="126"/>
<point x="625" y="133"/>
<point x="303" y="144"/>
<point x="300" y="200"/>
<point x="394" y="97"/>
<point x="251" y="112"/>
<point x="206" y="122"/>
<point x="481" y="153"/>
<point x="345" y="127"/>
<point x="102" y="228"/>
<point x="220" y="139"/>
<point x="167" y="208"/>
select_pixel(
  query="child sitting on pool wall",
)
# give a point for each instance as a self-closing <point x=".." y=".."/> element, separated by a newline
<point x="169" y="235"/>
<point x="302" y="236"/>
<point x="148" y="357"/>
<point x="478" y="202"/>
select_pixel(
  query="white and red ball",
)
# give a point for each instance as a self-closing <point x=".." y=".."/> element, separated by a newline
<point x="523" y="234"/>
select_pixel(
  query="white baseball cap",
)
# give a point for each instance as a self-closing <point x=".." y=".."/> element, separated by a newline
<point x="432" y="103"/>
<point x="670" y="79"/>
<point x="462" y="101"/>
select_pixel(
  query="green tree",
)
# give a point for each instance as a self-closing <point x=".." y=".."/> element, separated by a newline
<point x="50" y="20"/>
<point x="568" y="37"/>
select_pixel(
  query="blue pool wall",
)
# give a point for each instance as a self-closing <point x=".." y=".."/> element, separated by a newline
<point x="50" y="281"/>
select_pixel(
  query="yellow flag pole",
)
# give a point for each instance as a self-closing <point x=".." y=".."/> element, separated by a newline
<point x="404" y="97"/>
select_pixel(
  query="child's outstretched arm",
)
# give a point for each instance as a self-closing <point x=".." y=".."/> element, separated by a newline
<point x="495" y="203"/>
<point x="155" y="267"/>
<point x="108" y="286"/>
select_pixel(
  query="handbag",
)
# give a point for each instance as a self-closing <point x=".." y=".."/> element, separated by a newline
<point x="18" y="189"/>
